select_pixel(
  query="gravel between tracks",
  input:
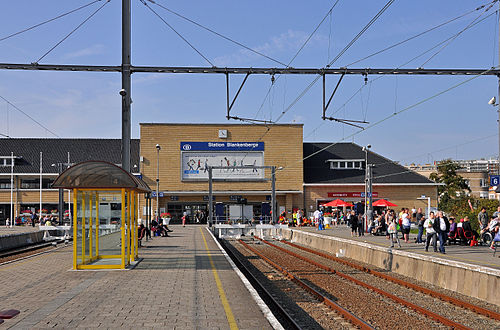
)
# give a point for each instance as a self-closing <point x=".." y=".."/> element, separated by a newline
<point x="308" y="312"/>
<point x="25" y="254"/>
<point x="448" y="310"/>
<point x="374" y="309"/>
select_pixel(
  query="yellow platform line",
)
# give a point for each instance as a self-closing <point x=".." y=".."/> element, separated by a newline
<point x="222" y="295"/>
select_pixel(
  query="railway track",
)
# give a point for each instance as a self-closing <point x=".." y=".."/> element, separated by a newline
<point x="315" y="276"/>
<point x="452" y="300"/>
<point x="321" y="297"/>
<point x="26" y="252"/>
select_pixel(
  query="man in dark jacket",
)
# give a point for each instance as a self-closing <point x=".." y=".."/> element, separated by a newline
<point x="442" y="227"/>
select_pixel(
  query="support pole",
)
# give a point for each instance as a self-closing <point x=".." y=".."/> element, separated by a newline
<point x="210" y="198"/>
<point x="11" y="189"/>
<point x="369" y="208"/>
<point x="40" y="206"/>
<point x="61" y="198"/>
<point x="273" y="194"/>
<point x="125" y="92"/>
<point x="75" y="228"/>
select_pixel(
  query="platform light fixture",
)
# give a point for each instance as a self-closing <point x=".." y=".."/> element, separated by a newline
<point x="158" y="148"/>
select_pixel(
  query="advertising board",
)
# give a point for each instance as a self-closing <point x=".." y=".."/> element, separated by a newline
<point x="196" y="157"/>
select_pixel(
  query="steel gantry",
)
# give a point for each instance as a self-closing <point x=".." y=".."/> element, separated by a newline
<point x="127" y="69"/>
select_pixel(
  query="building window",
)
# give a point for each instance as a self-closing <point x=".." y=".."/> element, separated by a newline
<point x="483" y="194"/>
<point x="4" y="183"/>
<point x="5" y="161"/>
<point x="492" y="196"/>
<point x="483" y="183"/>
<point x="343" y="164"/>
<point x="30" y="183"/>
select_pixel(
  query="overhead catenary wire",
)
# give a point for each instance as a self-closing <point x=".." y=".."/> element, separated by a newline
<point x="217" y="33"/>
<point x="27" y="115"/>
<point x="48" y="21"/>
<point x="397" y="113"/>
<point x="334" y="111"/>
<point x="329" y="13"/>
<point x="297" y="99"/>
<point x="482" y="138"/>
<point x="349" y="45"/>
<point x="456" y="36"/>
<point x="176" y="32"/>
<point x="73" y="31"/>
<point x="399" y="43"/>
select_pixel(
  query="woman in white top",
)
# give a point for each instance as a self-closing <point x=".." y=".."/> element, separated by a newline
<point x="406" y="225"/>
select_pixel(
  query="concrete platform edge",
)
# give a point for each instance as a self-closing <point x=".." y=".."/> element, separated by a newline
<point x="255" y="296"/>
<point x="449" y="274"/>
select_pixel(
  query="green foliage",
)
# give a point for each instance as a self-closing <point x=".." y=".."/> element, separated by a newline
<point x="454" y="184"/>
<point x="459" y="208"/>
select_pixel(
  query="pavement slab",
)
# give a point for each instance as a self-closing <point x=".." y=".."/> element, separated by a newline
<point x="172" y="287"/>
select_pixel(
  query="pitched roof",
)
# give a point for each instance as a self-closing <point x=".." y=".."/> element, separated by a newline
<point x="317" y="168"/>
<point x="56" y="151"/>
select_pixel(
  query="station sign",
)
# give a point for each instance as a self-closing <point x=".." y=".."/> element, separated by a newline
<point x="350" y="194"/>
<point x="236" y="160"/>
<point x="222" y="146"/>
<point x="206" y="198"/>
<point x="494" y="180"/>
<point x="153" y="194"/>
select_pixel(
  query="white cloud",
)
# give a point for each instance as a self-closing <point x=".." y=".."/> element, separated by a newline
<point x="89" y="51"/>
<point x="288" y="42"/>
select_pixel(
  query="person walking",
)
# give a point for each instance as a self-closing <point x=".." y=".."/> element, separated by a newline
<point x="442" y="227"/>
<point x="430" y="232"/>
<point x="420" y="223"/>
<point x="393" y="232"/>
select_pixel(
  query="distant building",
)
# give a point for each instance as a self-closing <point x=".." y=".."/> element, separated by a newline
<point x="27" y="171"/>
<point x="475" y="172"/>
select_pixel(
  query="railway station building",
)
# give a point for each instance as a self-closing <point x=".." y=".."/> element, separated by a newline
<point x="42" y="159"/>
<point x="329" y="171"/>
<point x="337" y="170"/>
<point x="185" y="151"/>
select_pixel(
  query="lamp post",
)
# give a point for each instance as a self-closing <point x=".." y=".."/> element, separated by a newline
<point x="158" y="148"/>
<point x="368" y="190"/>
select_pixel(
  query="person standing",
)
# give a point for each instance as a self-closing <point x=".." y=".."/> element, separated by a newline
<point x="392" y="231"/>
<point x="353" y="221"/>
<point x="442" y="227"/>
<point x="420" y="223"/>
<point x="430" y="232"/>
<point x="483" y="219"/>
<point x="406" y="226"/>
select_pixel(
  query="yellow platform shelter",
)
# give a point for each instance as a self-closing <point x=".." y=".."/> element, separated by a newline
<point x="104" y="214"/>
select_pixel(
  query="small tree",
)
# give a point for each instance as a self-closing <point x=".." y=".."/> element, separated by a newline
<point x="460" y="207"/>
<point x="453" y="184"/>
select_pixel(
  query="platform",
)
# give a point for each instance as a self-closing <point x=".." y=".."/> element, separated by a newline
<point x="476" y="255"/>
<point x="472" y="271"/>
<point x="173" y="286"/>
<point x="4" y="230"/>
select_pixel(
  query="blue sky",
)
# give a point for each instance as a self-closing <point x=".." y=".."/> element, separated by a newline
<point x="88" y="104"/>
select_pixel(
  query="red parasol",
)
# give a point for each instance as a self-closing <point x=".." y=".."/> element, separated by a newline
<point x="337" y="203"/>
<point x="384" y="203"/>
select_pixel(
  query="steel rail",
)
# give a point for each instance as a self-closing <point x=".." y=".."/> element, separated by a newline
<point x="261" y="289"/>
<point x="330" y="303"/>
<point x="395" y="298"/>
<point x="477" y="309"/>
<point x="249" y="70"/>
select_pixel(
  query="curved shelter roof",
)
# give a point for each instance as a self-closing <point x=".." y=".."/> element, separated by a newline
<point x="98" y="175"/>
